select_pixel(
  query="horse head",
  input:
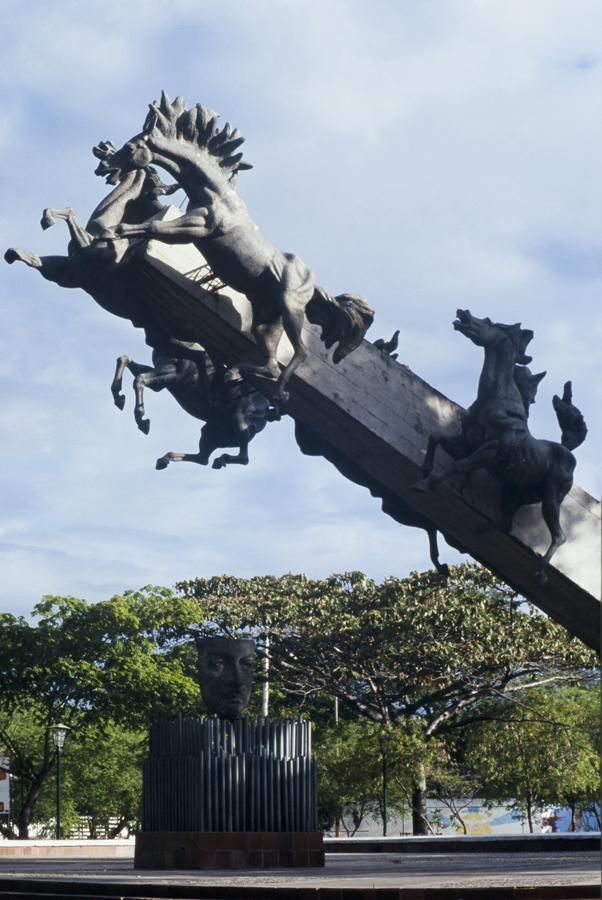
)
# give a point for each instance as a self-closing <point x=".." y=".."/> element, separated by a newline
<point x="484" y="333"/>
<point x="114" y="164"/>
<point x="344" y="320"/>
<point x="187" y="142"/>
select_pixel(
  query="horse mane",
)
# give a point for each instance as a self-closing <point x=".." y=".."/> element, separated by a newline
<point x="197" y="125"/>
<point x="521" y="338"/>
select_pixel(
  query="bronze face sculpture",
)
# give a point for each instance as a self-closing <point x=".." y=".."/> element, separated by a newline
<point x="226" y="670"/>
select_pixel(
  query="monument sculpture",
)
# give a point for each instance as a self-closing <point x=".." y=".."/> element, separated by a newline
<point x="226" y="670"/>
<point x="92" y="263"/>
<point x="281" y="288"/>
<point x="495" y="435"/>
<point x="225" y="791"/>
<point x="217" y="348"/>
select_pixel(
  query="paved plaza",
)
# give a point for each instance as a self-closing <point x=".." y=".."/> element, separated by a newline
<point x="357" y="870"/>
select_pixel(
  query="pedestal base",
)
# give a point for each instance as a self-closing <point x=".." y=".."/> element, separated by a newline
<point x="228" y="849"/>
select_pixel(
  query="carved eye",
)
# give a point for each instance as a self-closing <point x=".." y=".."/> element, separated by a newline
<point x="215" y="665"/>
<point x="248" y="662"/>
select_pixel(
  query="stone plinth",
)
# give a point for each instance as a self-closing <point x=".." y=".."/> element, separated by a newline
<point x="229" y="850"/>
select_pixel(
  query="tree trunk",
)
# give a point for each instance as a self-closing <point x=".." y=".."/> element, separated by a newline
<point x="25" y="813"/>
<point x="530" y="814"/>
<point x="461" y="821"/>
<point x="419" y="820"/>
<point x="23" y="822"/>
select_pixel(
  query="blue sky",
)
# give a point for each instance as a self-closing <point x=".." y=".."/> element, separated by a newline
<point x="427" y="155"/>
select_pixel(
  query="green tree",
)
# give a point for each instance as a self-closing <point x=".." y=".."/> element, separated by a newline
<point x="412" y="649"/>
<point x="84" y="665"/>
<point x="539" y="752"/>
<point x="350" y="771"/>
<point x="105" y="777"/>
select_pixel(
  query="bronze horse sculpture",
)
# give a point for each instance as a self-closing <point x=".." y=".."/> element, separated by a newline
<point x="93" y="264"/>
<point x="495" y="435"/>
<point x="232" y="409"/>
<point x="238" y="412"/>
<point x="97" y="266"/>
<point x="187" y="379"/>
<point x="204" y="161"/>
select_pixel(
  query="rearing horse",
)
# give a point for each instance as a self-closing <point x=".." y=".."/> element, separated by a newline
<point x="188" y="144"/>
<point x="93" y="264"/>
<point x="495" y="435"/>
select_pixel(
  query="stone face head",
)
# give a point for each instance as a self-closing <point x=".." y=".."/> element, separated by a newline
<point x="226" y="670"/>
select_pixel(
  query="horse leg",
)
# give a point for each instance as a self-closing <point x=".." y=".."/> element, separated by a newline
<point x="453" y="446"/>
<point x="241" y="459"/>
<point x="485" y="455"/>
<point x="164" y="461"/>
<point x="245" y="435"/>
<point x="79" y="235"/>
<point x="267" y="338"/>
<point x="550" y="510"/>
<point x="142" y="377"/>
<point x="62" y="270"/>
<point x="13" y="254"/>
<point x="122" y="364"/>
<point x="154" y="379"/>
<point x="442" y="568"/>
<point x="50" y="216"/>
<point x="429" y="457"/>
<point x="110" y="211"/>
<point x="206" y="447"/>
<point x="293" y="318"/>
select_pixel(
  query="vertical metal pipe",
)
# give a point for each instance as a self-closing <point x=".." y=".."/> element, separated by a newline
<point x="58" y="793"/>
<point x="264" y="792"/>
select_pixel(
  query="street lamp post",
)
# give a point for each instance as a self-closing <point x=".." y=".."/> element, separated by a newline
<point x="59" y="734"/>
<point x="383" y="749"/>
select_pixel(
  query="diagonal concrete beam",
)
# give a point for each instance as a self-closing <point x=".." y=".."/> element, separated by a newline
<point x="379" y="414"/>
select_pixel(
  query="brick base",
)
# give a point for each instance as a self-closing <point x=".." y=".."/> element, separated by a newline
<point x="228" y="849"/>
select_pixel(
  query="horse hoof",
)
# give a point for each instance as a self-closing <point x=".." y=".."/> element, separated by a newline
<point x="47" y="219"/>
<point x="162" y="463"/>
<point x="11" y="255"/>
<point x="443" y="571"/>
<point x="144" y="425"/>
<point x="119" y="400"/>
<point x="218" y="463"/>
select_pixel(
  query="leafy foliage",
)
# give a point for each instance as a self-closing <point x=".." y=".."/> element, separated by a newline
<point x="543" y="752"/>
<point x="412" y="650"/>
<point x="85" y="665"/>
<point x="407" y="648"/>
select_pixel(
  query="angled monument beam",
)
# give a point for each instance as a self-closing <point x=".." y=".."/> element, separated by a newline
<point x="379" y="415"/>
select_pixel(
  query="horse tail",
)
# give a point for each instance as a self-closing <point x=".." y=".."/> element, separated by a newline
<point x="571" y="421"/>
<point x="344" y="320"/>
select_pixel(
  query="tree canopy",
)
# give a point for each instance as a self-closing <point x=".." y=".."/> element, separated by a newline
<point x="412" y="654"/>
<point x="541" y="752"/>
<point x="416" y="659"/>
<point x="414" y="648"/>
<point x="84" y="665"/>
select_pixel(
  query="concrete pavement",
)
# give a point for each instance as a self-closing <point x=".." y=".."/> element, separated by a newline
<point x="343" y="871"/>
